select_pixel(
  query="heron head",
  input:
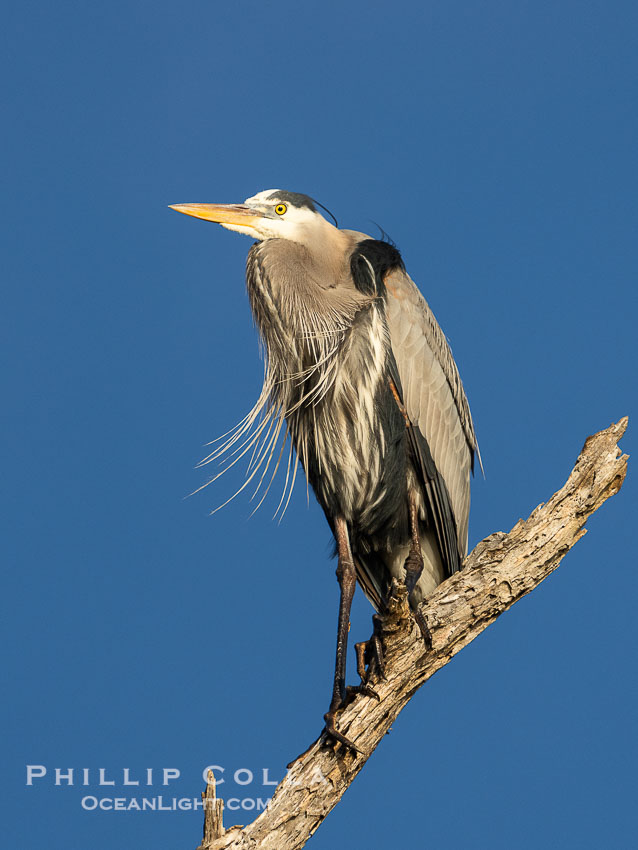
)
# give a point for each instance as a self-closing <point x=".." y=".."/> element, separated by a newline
<point x="273" y="214"/>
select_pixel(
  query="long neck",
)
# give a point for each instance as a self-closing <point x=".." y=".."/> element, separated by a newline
<point x="304" y="302"/>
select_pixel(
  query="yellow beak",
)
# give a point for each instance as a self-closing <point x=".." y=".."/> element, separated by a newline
<point x="237" y="214"/>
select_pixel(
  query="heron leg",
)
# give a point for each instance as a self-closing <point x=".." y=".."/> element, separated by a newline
<point x="347" y="583"/>
<point x="414" y="561"/>
<point x="414" y="566"/>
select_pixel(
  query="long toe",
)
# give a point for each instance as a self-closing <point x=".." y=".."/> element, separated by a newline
<point x="333" y="734"/>
<point x="364" y="688"/>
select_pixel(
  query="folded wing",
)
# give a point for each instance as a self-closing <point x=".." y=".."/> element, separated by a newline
<point x="442" y="433"/>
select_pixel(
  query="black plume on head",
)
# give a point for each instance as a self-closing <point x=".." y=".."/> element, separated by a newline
<point x="295" y="199"/>
<point x="298" y="199"/>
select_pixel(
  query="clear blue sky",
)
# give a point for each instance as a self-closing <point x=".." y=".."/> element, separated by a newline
<point x="496" y="143"/>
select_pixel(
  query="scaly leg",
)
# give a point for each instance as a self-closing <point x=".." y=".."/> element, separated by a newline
<point x="347" y="583"/>
<point x="414" y="566"/>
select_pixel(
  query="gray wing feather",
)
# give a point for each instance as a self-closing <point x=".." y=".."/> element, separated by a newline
<point x="433" y="394"/>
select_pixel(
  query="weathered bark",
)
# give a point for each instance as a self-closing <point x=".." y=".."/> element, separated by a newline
<point x="499" y="571"/>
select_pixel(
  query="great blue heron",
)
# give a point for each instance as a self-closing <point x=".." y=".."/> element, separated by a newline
<point x="363" y="377"/>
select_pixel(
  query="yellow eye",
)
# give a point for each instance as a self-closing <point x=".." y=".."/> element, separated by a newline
<point x="280" y="209"/>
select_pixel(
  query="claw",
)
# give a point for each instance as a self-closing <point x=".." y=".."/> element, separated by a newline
<point x="370" y="656"/>
<point x="331" y="731"/>
<point x="364" y="689"/>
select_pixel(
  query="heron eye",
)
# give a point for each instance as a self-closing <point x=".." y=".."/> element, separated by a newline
<point x="280" y="209"/>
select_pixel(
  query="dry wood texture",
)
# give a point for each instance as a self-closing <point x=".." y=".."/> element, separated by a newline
<point x="499" y="571"/>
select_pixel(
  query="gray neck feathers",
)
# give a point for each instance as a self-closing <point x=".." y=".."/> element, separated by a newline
<point x="304" y="303"/>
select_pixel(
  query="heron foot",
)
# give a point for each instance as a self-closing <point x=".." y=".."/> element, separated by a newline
<point x="333" y="734"/>
<point x="400" y="612"/>
<point x="363" y="689"/>
<point x="370" y="661"/>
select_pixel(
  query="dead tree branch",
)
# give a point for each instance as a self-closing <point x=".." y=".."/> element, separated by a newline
<point x="499" y="571"/>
